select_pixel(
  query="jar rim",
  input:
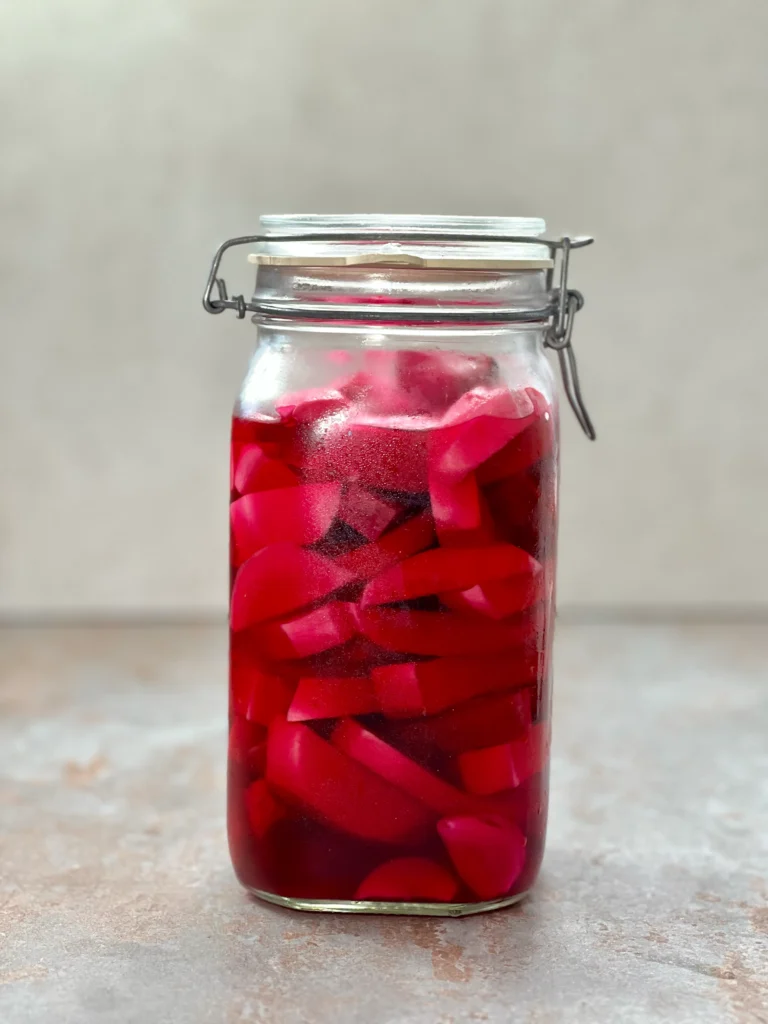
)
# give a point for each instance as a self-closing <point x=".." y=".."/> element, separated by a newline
<point x="299" y="223"/>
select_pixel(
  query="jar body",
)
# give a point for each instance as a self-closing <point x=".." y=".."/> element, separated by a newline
<point x="394" y="516"/>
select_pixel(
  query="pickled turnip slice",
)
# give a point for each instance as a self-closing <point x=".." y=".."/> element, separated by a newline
<point x="302" y="514"/>
<point x="279" y="579"/>
<point x="255" y="471"/>
<point x="304" y="635"/>
<point x="440" y="633"/>
<point x="409" y="878"/>
<point x="448" y="569"/>
<point x="405" y="540"/>
<point x="499" y="600"/>
<point x="494" y="769"/>
<point x="257" y="695"/>
<point x="488" y="852"/>
<point x="336" y="789"/>
<point x="332" y="698"/>
<point x="365" y="512"/>
<point x="428" y="687"/>
<point x="262" y="808"/>
<point x="398" y="769"/>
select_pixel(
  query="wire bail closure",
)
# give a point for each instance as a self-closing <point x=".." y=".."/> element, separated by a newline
<point x="560" y="312"/>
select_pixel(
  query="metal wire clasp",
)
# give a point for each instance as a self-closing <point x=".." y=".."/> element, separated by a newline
<point x="558" y="338"/>
<point x="561" y="311"/>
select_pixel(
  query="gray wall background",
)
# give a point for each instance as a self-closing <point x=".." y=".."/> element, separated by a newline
<point x="136" y="136"/>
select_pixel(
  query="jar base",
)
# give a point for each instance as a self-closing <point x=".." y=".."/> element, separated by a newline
<point x="389" y="907"/>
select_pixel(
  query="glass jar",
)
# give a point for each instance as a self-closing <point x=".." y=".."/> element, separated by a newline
<point x="393" y="540"/>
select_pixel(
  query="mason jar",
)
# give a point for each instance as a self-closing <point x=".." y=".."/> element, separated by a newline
<point x="394" y="489"/>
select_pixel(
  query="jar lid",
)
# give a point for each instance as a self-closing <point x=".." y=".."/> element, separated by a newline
<point x="402" y="239"/>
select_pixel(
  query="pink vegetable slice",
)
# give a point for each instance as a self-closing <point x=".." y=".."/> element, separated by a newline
<point x="489" y="403"/>
<point x="488" y="852"/>
<point x="409" y="878"/>
<point x="262" y="808"/>
<point x="279" y="579"/>
<point x="481" y="722"/>
<point x="311" y="404"/>
<point x="300" y="637"/>
<point x="256" y="759"/>
<point x="378" y="452"/>
<point x="529" y="446"/>
<point x="480" y="536"/>
<point x="272" y="436"/>
<point x="300" y="514"/>
<point x="376" y="392"/>
<point x="447" y="569"/>
<point x="455" y="503"/>
<point x="332" y="698"/>
<point x="255" y="471"/>
<point x="436" y="380"/>
<point x="365" y="512"/>
<point x="416" y="632"/>
<point x="428" y="687"/>
<point x="514" y="501"/>
<point x="243" y="736"/>
<point x="335" y="789"/>
<point x="477" y="426"/>
<point x="370" y="559"/>
<point x="524" y="510"/>
<point x="501" y="599"/>
<point x="354" y="658"/>
<point x="258" y="696"/>
<point x="398" y="769"/>
<point x="494" y="769"/>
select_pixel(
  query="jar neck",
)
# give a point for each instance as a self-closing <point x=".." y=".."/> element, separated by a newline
<point x="401" y="293"/>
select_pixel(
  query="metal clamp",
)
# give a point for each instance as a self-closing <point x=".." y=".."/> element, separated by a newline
<point x="560" y="312"/>
<point x="558" y="338"/>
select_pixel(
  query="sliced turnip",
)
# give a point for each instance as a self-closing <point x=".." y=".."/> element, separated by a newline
<point x="332" y="698"/>
<point x="257" y="695"/>
<point x="441" y="633"/>
<point x="299" y="514"/>
<point x="398" y="769"/>
<point x="507" y="765"/>
<point x="374" y="451"/>
<point x="455" y="504"/>
<point x="255" y="471"/>
<point x="336" y="789"/>
<point x="481" y="722"/>
<point x="488" y="852"/>
<point x="500" y="599"/>
<point x="243" y="736"/>
<point x="402" y="542"/>
<point x="365" y="512"/>
<point x="308" y="634"/>
<point x="477" y="426"/>
<point x="409" y="878"/>
<point x="280" y="579"/>
<point x="428" y="687"/>
<point x="435" y="380"/>
<point x="529" y="446"/>
<point x="262" y="808"/>
<point x="448" y="569"/>
<point x="311" y="404"/>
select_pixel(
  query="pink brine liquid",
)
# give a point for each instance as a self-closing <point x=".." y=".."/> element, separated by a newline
<point x="392" y="555"/>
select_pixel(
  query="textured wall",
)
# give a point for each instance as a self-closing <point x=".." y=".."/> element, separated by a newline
<point x="136" y="136"/>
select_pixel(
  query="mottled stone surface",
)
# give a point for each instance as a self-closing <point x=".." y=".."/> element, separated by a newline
<point x="117" y="904"/>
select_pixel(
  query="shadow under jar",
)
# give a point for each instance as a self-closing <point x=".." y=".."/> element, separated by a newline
<point x="393" y="541"/>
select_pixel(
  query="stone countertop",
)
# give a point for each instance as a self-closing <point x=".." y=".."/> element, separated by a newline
<point x="117" y="903"/>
